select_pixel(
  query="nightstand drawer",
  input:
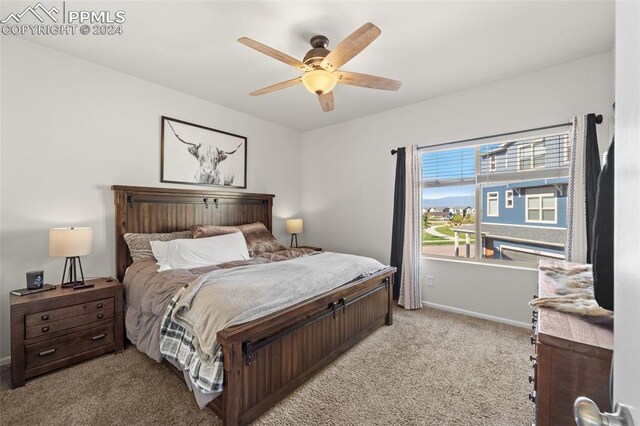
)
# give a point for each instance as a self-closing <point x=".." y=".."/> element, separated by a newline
<point x="46" y="317"/>
<point x="67" y="323"/>
<point x="62" y="347"/>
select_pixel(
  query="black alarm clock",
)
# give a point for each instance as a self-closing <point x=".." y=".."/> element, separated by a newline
<point x="35" y="280"/>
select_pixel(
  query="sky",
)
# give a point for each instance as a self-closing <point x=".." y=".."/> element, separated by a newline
<point x="448" y="191"/>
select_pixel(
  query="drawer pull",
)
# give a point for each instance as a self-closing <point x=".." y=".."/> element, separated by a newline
<point x="45" y="329"/>
<point x="99" y="305"/>
<point x="99" y="336"/>
<point x="532" y="397"/>
<point x="531" y="379"/>
<point x="44" y="317"/>
<point x="533" y="340"/>
<point x="47" y="352"/>
<point x="532" y="358"/>
<point x="100" y="316"/>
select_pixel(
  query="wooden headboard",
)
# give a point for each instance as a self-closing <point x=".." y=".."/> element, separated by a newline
<point x="148" y="210"/>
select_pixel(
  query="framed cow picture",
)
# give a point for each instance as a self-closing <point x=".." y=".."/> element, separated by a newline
<point x="199" y="155"/>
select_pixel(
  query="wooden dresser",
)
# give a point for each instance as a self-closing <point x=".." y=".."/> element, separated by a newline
<point x="60" y="327"/>
<point x="572" y="358"/>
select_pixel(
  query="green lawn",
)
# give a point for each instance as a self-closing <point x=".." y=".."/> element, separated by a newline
<point x="428" y="239"/>
<point x="446" y="230"/>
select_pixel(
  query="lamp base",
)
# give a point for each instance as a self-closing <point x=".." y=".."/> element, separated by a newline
<point x="294" y="237"/>
<point x="74" y="263"/>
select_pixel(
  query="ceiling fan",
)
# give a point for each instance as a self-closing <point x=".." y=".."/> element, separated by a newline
<point x="320" y="65"/>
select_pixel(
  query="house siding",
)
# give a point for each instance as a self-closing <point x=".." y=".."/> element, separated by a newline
<point x="517" y="214"/>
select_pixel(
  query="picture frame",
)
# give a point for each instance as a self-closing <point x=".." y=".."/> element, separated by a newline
<point x="198" y="155"/>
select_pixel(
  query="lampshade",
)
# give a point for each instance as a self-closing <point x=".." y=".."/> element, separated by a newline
<point x="294" y="226"/>
<point x="319" y="81"/>
<point x="69" y="242"/>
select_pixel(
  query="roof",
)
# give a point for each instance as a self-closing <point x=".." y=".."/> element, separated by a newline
<point x="523" y="234"/>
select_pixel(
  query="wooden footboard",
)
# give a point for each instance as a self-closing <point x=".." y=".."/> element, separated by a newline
<point x="267" y="359"/>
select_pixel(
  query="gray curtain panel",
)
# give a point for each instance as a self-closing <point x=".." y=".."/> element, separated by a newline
<point x="410" y="296"/>
<point x="584" y="169"/>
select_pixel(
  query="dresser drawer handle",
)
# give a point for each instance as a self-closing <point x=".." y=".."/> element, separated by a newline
<point x="47" y="352"/>
<point x="45" y="329"/>
<point x="99" y="305"/>
<point x="44" y="317"/>
<point x="99" y="336"/>
<point x="531" y="379"/>
<point x="533" y="340"/>
<point x="100" y="316"/>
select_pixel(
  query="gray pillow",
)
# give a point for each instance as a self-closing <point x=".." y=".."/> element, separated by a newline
<point x="140" y="247"/>
<point x="259" y="239"/>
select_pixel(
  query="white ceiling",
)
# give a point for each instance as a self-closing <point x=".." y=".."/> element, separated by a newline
<point x="433" y="47"/>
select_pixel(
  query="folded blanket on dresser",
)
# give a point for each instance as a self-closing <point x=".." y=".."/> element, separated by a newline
<point x="223" y="298"/>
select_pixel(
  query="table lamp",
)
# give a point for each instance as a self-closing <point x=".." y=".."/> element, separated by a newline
<point x="294" y="227"/>
<point x="70" y="243"/>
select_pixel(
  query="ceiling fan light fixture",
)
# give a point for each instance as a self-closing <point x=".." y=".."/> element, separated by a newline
<point x="319" y="81"/>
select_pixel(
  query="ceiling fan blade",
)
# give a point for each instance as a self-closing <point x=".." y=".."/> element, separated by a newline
<point x="277" y="86"/>
<point x="276" y="54"/>
<point x="366" y="80"/>
<point x="326" y="101"/>
<point x="350" y="46"/>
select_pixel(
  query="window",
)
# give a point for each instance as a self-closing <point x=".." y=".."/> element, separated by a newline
<point x="531" y="155"/>
<point x="508" y="199"/>
<point x="493" y="209"/>
<point x="531" y="175"/>
<point x="542" y="208"/>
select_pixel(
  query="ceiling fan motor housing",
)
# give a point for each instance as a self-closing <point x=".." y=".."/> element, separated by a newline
<point x="319" y="51"/>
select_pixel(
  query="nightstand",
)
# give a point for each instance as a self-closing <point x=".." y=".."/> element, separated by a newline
<point x="61" y="327"/>
<point x="312" y="248"/>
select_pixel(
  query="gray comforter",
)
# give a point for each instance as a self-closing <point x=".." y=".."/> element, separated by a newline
<point x="226" y="297"/>
<point x="148" y="292"/>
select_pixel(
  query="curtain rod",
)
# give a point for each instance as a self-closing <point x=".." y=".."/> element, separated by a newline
<point x="598" y="121"/>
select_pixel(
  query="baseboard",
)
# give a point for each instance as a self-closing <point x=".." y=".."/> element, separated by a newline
<point x="477" y="315"/>
<point x="5" y="361"/>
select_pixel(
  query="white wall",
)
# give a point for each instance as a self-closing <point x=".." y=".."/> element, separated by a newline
<point x="348" y="172"/>
<point x="71" y="129"/>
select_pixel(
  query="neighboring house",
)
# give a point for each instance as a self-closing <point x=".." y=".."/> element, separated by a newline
<point x="440" y="215"/>
<point x="464" y="211"/>
<point x="527" y="155"/>
<point x="525" y="220"/>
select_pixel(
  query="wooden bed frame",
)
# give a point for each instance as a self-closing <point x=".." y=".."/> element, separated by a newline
<point x="266" y="359"/>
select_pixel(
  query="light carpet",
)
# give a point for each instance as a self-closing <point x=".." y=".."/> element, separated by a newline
<point x="430" y="368"/>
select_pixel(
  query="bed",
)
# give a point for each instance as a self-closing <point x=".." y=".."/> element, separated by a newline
<point x="267" y="358"/>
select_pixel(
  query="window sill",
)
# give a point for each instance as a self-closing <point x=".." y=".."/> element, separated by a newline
<point x="485" y="262"/>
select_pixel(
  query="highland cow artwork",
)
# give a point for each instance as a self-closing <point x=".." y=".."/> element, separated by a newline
<point x="199" y="155"/>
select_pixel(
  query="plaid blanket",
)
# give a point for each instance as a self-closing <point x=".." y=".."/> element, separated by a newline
<point x="176" y="343"/>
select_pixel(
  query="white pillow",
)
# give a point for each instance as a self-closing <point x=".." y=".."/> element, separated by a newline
<point x="160" y="251"/>
<point x="193" y="253"/>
